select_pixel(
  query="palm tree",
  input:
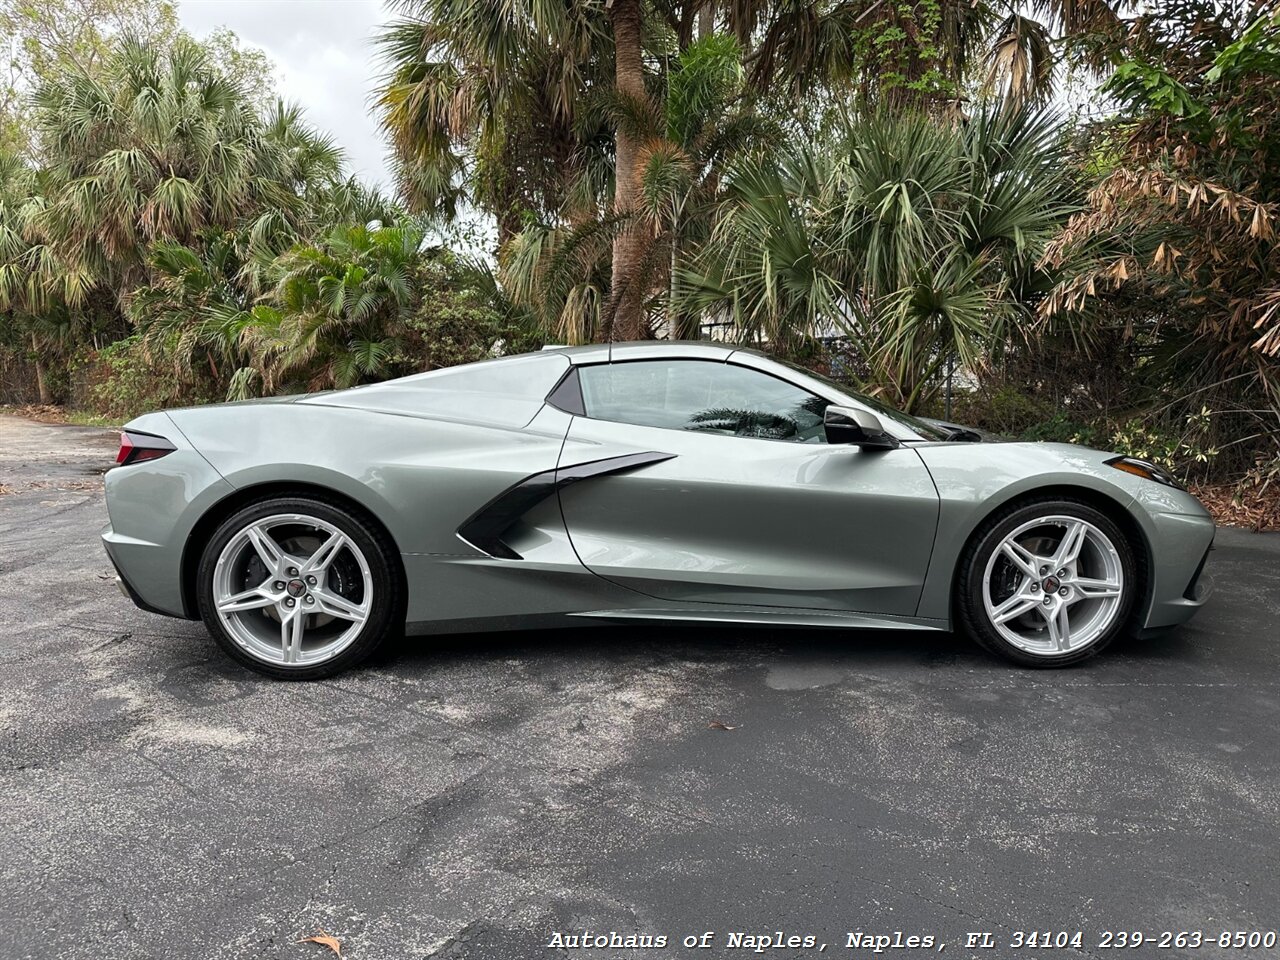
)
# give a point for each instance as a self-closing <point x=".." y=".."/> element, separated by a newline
<point x="337" y="309"/>
<point x="21" y="298"/>
<point x="543" y="115"/>
<point x="625" y="316"/>
<point x="490" y="105"/>
<point x="541" y="111"/>
<point x="18" y="187"/>
<point x="916" y="240"/>
<point x="158" y="146"/>
<point x="195" y="310"/>
<point x="709" y="120"/>
<point x="164" y="195"/>
<point x="940" y="52"/>
<point x="564" y="272"/>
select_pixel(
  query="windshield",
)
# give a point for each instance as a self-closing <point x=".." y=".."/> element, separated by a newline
<point x="926" y="430"/>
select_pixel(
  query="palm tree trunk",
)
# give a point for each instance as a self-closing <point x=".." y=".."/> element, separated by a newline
<point x="626" y="319"/>
<point x="706" y="19"/>
<point x="509" y="224"/>
<point x="42" y="385"/>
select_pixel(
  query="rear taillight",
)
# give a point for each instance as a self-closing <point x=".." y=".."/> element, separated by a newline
<point x="136" y="447"/>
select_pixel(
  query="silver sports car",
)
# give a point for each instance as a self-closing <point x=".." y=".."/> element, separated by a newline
<point x="633" y="482"/>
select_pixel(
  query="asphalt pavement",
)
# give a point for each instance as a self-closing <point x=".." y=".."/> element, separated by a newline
<point x="475" y="797"/>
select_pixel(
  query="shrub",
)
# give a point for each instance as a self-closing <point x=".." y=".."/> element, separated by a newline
<point x="1062" y="429"/>
<point x="126" y="379"/>
<point x="456" y="321"/>
<point x="1183" y="451"/>
<point x="1003" y="409"/>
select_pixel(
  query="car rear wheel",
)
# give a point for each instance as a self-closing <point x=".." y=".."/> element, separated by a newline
<point x="1047" y="583"/>
<point x="298" y="588"/>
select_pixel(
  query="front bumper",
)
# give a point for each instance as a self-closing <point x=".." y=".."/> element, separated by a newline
<point x="1180" y="584"/>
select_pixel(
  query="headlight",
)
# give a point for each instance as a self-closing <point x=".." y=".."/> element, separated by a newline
<point x="1148" y="471"/>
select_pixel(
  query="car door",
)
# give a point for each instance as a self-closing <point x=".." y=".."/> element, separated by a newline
<point x="748" y="504"/>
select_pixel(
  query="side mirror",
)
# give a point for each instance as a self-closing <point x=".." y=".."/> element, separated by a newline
<point x="858" y="427"/>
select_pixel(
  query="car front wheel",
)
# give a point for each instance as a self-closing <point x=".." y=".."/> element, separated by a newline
<point x="1047" y="583"/>
<point x="298" y="588"/>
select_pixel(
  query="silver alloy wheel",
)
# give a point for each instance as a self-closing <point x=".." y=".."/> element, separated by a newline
<point x="1054" y="585"/>
<point x="292" y="590"/>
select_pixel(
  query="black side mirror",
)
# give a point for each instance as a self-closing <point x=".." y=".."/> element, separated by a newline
<point x="859" y="427"/>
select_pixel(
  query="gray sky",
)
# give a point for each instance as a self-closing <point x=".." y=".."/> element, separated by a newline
<point x="324" y="57"/>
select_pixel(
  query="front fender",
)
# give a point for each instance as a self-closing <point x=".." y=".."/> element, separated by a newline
<point x="974" y="480"/>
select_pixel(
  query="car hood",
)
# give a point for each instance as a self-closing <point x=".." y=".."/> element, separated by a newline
<point x="998" y="470"/>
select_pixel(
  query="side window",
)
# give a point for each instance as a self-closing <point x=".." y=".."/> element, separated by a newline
<point x="702" y="395"/>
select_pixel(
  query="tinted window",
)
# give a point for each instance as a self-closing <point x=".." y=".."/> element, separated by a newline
<point x="886" y="412"/>
<point x="702" y="395"/>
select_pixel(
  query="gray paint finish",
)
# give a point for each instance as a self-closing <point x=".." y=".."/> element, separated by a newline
<point x="973" y="480"/>
<point x="736" y="520"/>
<point x="727" y="522"/>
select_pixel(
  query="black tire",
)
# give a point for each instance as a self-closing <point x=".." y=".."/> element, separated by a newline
<point x="971" y="612"/>
<point x="379" y="552"/>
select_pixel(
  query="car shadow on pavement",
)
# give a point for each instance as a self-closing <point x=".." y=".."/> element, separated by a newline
<point x="848" y="649"/>
<point x="687" y="642"/>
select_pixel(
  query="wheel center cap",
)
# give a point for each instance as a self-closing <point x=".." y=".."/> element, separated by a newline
<point x="296" y="588"/>
<point x="1051" y="584"/>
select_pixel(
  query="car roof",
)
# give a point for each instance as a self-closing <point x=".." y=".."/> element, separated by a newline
<point x="644" y="350"/>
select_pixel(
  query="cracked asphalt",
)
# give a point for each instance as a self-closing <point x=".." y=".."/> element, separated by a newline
<point x="469" y="797"/>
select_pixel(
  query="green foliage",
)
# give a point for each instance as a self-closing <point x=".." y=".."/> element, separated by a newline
<point x="1060" y="428"/>
<point x="916" y="238"/>
<point x="355" y="305"/>
<point x="128" y="378"/>
<point x="1003" y="409"/>
<point x="562" y="273"/>
<point x="903" y="51"/>
<point x="458" y="318"/>
<point x="1020" y="413"/>
<point x="249" y="68"/>
<point x="1178" y="248"/>
<point x="195" y="309"/>
<point x="1146" y="86"/>
<point x="522" y="113"/>
<point x="155" y="145"/>
<point x="490" y="107"/>
<point x="703" y="78"/>
<point x="336" y="308"/>
<point x="798" y="172"/>
<point x="163" y="197"/>
<point x="43" y="39"/>
<point x="1256" y="52"/>
<point x="1182" y="450"/>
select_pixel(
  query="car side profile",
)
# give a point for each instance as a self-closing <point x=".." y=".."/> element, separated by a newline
<point x="633" y="482"/>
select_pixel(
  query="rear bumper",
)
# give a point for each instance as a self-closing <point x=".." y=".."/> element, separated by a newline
<point x="126" y="587"/>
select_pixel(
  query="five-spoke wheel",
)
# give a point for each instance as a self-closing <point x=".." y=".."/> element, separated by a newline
<point x="1047" y="583"/>
<point x="297" y="588"/>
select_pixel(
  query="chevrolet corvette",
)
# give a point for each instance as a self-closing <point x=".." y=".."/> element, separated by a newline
<point x="627" y="483"/>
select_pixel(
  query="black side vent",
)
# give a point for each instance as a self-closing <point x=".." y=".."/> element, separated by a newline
<point x="1191" y="593"/>
<point x="485" y="528"/>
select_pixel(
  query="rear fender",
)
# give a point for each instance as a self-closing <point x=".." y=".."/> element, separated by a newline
<point x="153" y="507"/>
